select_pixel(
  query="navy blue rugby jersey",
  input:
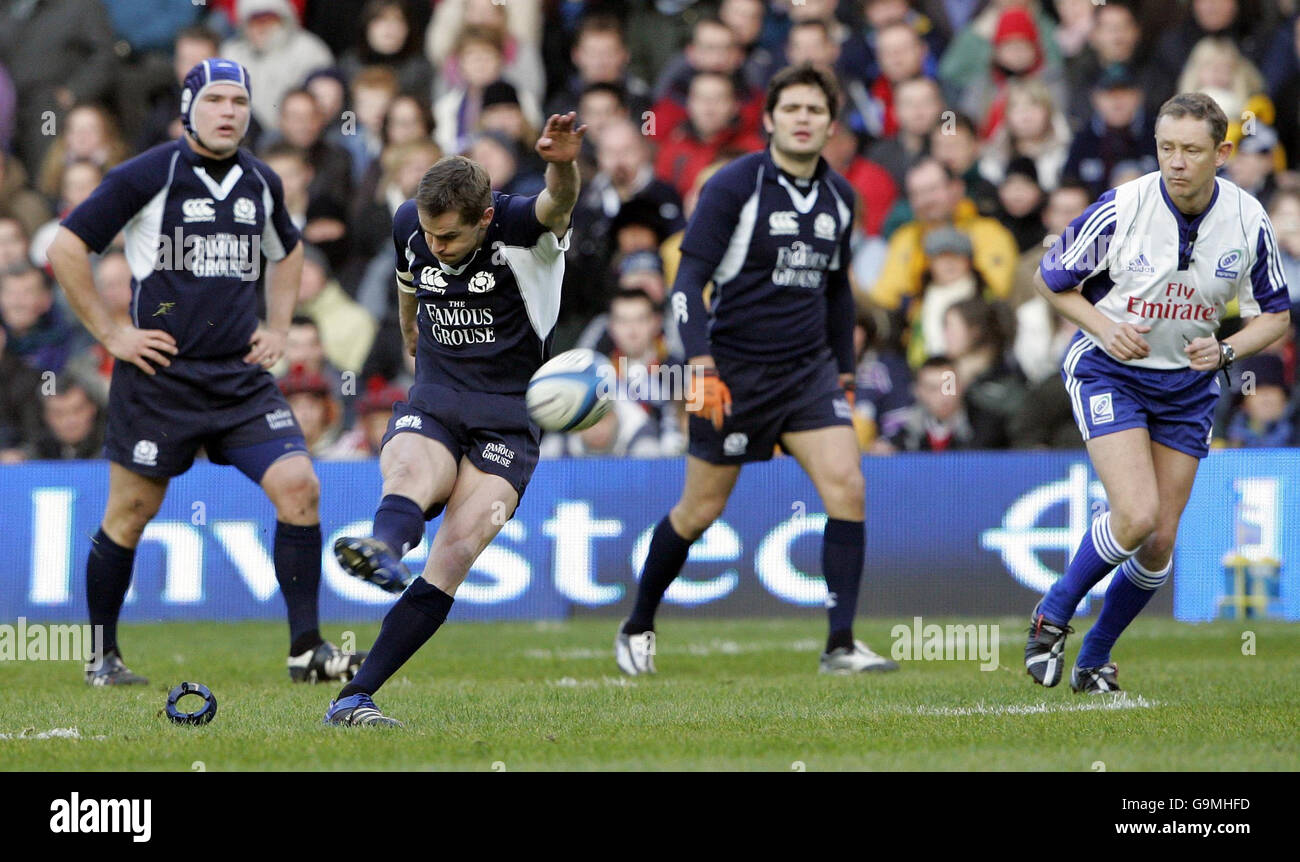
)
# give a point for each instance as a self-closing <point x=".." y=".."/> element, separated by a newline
<point x="485" y="325"/>
<point x="772" y="244"/>
<point x="194" y="244"/>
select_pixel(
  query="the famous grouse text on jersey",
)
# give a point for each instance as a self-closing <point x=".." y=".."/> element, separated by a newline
<point x="485" y="321"/>
<point x="798" y="265"/>
<point x="219" y="255"/>
<point x="454" y="324"/>
<point x="499" y="453"/>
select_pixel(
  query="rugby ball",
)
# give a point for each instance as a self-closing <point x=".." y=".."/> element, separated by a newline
<point x="572" y="391"/>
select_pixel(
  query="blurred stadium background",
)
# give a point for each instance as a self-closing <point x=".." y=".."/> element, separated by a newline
<point x="973" y="132"/>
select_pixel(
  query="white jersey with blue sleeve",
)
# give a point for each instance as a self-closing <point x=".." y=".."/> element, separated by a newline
<point x="1140" y="260"/>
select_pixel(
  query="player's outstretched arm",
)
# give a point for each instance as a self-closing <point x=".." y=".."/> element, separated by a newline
<point x="70" y="259"/>
<point x="559" y="145"/>
<point x="267" y="344"/>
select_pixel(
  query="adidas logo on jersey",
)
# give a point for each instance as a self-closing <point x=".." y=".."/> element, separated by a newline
<point x="1140" y="264"/>
<point x="198" y="209"/>
<point x="783" y="223"/>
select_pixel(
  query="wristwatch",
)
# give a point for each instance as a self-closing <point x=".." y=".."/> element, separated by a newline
<point x="1226" y="354"/>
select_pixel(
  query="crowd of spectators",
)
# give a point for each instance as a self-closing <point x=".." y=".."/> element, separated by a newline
<point x="973" y="132"/>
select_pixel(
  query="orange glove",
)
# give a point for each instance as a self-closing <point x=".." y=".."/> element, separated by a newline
<point x="850" y="384"/>
<point x="709" y="396"/>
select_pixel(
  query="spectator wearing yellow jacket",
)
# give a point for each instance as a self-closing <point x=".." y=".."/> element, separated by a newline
<point x="936" y="199"/>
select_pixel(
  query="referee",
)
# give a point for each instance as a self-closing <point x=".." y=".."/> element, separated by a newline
<point x="1146" y="273"/>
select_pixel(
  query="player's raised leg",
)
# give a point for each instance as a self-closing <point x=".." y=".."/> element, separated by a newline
<point x="1123" y="461"/>
<point x="704" y="496"/>
<point x="419" y="473"/>
<point x="1140" y="575"/>
<point x="133" y="500"/>
<point x="831" y="459"/>
<point x="474" y="517"/>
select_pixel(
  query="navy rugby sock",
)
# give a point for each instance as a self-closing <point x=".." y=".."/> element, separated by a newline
<point x="407" y="627"/>
<point x="108" y="577"/>
<point x="843" y="552"/>
<point x="399" y="523"/>
<point x="297" y="568"/>
<point x="1098" y="553"/>
<point x="1128" y="593"/>
<point x="663" y="562"/>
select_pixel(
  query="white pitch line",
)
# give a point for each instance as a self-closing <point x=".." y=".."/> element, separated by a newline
<point x="55" y="733"/>
<point x="1097" y="704"/>
<point x="571" y="682"/>
<point x="714" y="647"/>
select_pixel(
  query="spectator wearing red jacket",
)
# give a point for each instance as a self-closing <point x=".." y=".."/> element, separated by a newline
<point x="712" y="130"/>
<point x="875" y="187"/>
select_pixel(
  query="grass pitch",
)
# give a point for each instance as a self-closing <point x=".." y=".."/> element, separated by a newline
<point x="730" y="695"/>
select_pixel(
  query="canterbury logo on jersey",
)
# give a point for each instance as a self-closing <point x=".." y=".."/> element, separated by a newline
<point x="783" y="223"/>
<point x="198" y="209"/>
<point x="432" y="279"/>
<point x="679" y="308"/>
